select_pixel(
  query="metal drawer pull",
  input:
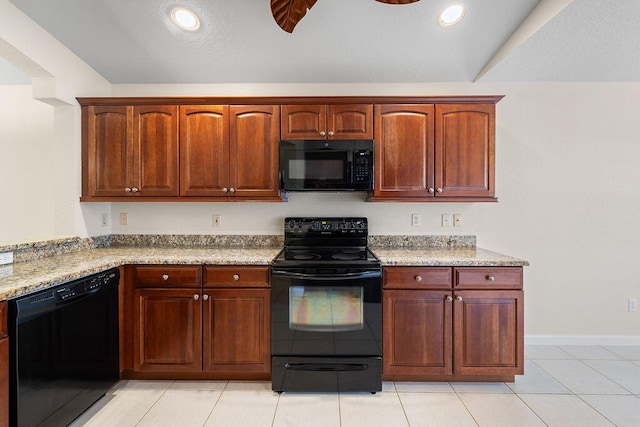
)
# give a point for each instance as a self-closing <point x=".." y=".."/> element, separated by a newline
<point x="418" y="278"/>
<point x="196" y="297"/>
<point x="490" y="278"/>
<point x="236" y="277"/>
<point x="165" y="277"/>
<point x="458" y="298"/>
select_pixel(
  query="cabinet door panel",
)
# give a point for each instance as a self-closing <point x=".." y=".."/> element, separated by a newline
<point x="109" y="151"/>
<point x="303" y="121"/>
<point x="464" y="150"/>
<point x="253" y="146"/>
<point x="204" y="150"/>
<point x="155" y="134"/>
<point x="351" y="121"/>
<point x="404" y="150"/>
<point x="236" y="330"/>
<point x="417" y="331"/>
<point x="168" y="330"/>
<point x="489" y="328"/>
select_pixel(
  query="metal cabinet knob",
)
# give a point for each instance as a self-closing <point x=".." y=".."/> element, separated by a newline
<point x="449" y="298"/>
<point x="127" y="190"/>
<point x="439" y="190"/>
<point x="196" y="297"/>
<point x="134" y="190"/>
<point x="205" y="297"/>
<point x="236" y="277"/>
<point x="232" y="190"/>
<point x="224" y="190"/>
<point x="490" y="278"/>
<point x="458" y="298"/>
<point x="431" y="190"/>
<point x="418" y="278"/>
<point x="165" y="277"/>
<point x="322" y="133"/>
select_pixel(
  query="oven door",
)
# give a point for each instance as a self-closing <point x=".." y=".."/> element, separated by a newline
<point x="335" y="314"/>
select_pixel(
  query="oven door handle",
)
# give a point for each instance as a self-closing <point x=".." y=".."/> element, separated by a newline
<point x="324" y="367"/>
<point x="360" y="275"/>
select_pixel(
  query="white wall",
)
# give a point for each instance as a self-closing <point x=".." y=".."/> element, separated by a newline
<point x="567" y="181"/>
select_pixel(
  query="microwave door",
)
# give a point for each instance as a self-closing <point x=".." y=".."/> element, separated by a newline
<point x="316" y="170"/>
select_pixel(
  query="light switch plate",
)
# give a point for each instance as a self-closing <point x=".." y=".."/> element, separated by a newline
<point x="6" y="258"/>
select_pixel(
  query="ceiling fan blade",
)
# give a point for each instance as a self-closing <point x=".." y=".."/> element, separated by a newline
<point x="397" y="1"/>
<point x="288" y="13"/>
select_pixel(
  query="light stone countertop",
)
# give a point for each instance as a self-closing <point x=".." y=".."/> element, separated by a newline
<point x="421" y="256"/>
<point x="24" y="277"/>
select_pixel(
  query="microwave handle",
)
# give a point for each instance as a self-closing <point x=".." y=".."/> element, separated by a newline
<point x="359" y="275"/>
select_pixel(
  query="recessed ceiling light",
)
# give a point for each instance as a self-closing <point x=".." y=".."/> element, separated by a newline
<point x="451" y="15"/>
<point x="185" y="19"/>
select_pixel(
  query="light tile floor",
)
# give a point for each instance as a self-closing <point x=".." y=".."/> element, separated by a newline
<point x="562" y="386"/>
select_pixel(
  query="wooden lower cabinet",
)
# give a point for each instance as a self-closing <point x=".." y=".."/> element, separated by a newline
<point x="194" y="328"/>
<point x="435" y="334"/>
<point x="4" y="367"/>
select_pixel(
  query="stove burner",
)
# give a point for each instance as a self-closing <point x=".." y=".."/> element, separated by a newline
<point x="305" y="256"/>
<point x="346" y="256"/>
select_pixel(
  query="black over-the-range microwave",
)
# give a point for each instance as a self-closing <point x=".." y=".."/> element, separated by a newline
<point x="331" y="165"/>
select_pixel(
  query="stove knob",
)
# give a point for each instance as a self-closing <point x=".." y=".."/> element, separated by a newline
<point x="291" y="224"/>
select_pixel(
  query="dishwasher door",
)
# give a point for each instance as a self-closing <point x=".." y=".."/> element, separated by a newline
<point x="63" y="350"/>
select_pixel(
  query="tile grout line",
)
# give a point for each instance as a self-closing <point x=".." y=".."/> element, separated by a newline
<point x="215" y="404"/>
<point x="404" y="411"/>
<point x="154" y="403"/>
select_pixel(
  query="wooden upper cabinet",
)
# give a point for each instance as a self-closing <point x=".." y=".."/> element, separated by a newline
<point x="204" y="150"/>
<point x="465" y="150"/>
<point x="404" y="146"/>
<point x="107" y="151"/>
<point x="347" y="121"/>
<point x="155" y="136"/>
<point x="130" y="151"/>
<point x="254" y="139"/>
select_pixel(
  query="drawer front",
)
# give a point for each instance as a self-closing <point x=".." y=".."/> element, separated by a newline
<point x="3" y="319"/>
<point x="236" y="277"/>
<point x="416" y="277"/>
<point x="167" y="276"/>
<point x="487" y="277"/>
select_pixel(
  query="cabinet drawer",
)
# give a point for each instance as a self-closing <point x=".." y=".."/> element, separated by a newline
<point x="416" y="277"/>
<point x="3" y="319"/>
<point x="236" y="277"/>
<point x="487" y="277"/>
<point x="167" y="275"/>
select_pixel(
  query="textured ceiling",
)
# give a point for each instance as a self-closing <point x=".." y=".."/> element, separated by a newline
<point x="341" y="41"/>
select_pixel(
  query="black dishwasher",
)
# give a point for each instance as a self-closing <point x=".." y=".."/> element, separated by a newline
<point x="63" y="349"/>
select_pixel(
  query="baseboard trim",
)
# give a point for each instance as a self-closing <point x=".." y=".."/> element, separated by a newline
<point x="582" y="340"/>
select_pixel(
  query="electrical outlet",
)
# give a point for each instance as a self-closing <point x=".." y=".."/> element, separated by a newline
<point x="6" y="258"/>
<point x="457" y="220"/>
<point x="415" y="220"/>
<point x="216" y="220"/>
<point x="124" y="218"/>
<point x="633" y="304"/>
<point x="104" y="220"/>
<point x="446" y="220"/>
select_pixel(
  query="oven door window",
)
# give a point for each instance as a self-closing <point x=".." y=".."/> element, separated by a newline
<point x="326" y="309"/>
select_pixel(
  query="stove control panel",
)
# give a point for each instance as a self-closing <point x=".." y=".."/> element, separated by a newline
<point x="325" y="225"/>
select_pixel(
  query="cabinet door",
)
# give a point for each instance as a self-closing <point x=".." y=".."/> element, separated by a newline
<point x="155" y="136"/>
<point x="108" y="147"/>
<point x="489" y="332"/>
<point x="254" y="133"/>
<point x="417" y="331"/>
<point x="351" y="121"/>
<point x="404" y="150"/>
<point x="237" y="330"/>
<point x="204" y="150"/>
<point x="303" y="121"/>
<point x="168" y="330"/>
<point x="465" y="150"/>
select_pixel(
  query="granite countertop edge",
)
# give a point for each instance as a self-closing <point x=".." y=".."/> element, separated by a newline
<point x="26" y="277"/>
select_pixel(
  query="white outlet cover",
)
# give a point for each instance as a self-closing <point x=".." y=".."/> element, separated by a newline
<point x="6" y="258"/>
